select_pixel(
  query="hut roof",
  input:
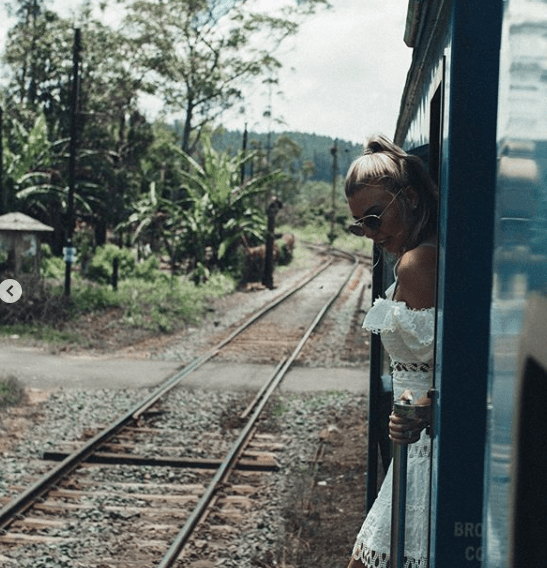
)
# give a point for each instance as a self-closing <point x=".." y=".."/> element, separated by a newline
<point x="21" y="222"/>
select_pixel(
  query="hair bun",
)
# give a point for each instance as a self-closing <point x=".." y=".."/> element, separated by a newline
<point x="374" y="147"/>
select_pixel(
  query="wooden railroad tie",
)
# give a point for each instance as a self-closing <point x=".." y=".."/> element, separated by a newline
<point x="256" y="462"/>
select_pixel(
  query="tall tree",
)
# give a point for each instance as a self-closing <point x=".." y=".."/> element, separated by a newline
<point x="202" y="52"/>
<point x="38" y="53"/>
<point x="112" y="134"/>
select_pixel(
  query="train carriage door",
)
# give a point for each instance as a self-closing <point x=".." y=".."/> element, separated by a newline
<point x="466" y="222"/>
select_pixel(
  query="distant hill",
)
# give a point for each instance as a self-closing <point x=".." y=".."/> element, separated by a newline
<point x="315" y="148"/>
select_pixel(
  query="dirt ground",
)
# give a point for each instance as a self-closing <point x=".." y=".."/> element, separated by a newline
<point x="326" y="511"/>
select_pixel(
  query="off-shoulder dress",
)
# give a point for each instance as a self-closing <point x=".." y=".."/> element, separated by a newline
<point x="408" y="337"/>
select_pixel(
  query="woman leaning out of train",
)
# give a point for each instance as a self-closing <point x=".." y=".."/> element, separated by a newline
<point x="394" y="202"/>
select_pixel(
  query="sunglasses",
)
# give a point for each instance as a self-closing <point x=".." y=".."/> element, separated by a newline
<point x="371" y="222"/>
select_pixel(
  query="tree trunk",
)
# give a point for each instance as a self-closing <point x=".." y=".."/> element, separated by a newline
<point x="187" y="125"/>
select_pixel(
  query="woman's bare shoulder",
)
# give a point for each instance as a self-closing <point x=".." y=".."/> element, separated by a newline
<point x="417" y="277"/>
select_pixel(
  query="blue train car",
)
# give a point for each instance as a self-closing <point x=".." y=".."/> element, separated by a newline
<point x="475" y="106"/>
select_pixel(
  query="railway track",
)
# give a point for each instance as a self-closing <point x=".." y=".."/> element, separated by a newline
<point x="213" y="476"/>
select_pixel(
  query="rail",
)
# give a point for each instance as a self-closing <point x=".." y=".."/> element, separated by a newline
<point x="199" y="511"/>
<point x="28" y="497"/>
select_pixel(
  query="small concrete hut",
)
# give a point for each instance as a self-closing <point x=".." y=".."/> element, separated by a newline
<point x="20" y="244"/>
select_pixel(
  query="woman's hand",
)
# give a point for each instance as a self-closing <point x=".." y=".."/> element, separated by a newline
<point x="403" y="430"/>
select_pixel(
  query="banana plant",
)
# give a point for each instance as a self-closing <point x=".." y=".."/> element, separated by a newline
<point x="27" y="150"/>
<point x="33" y="177"/>
<point x="206" y="226"/>
<point x="221" y="212"/>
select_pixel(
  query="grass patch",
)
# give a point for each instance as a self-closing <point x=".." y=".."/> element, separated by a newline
<point x="351" y="243"/>
<point x="88" y="297"/>
<point x="39" y="332"/>
<point x="162" y="305"/>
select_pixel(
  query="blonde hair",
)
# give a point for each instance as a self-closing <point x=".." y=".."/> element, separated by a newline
<point x="384" y="163"/>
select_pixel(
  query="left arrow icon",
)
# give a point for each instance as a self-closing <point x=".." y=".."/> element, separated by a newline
<point x="10" y="291"/>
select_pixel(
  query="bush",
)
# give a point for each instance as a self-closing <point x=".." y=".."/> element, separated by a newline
<point x="92" y="297"/>
<point x="100" y="267"/>
<point x="149" y="270"/>
<point x="51" y="266"/>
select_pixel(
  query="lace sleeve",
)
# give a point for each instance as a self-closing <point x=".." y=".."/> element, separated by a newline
<point x="415" y="329"/>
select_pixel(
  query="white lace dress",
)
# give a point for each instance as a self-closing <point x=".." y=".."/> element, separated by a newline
<point x="408" y="337"/>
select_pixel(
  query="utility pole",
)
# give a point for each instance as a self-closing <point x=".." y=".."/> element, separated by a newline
<point x="244" y="148"/>
<point x="334" y="152"/>
<point x="268" y="114"/>
<point x="69" y="250"/>
<point x="273" y="208"/>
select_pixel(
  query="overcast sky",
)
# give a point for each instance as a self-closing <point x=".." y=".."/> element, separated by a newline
<point x="345" y="72"/>
<point x="343" y="75"/>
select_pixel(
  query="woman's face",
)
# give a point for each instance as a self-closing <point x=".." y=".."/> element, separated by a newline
<point x="376" y="200"/>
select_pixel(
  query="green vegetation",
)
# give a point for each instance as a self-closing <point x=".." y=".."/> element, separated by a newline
<point x="99" y="268"/>
<point x="319" y="235"/>
<point x="164" y="304"/>
<point x="40" y="332"/>
<point x="175" y="207"/>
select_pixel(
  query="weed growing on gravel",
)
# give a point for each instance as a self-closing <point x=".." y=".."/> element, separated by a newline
<point x="280" y="409"/>
<point x="11" y="392"/>
<point x="322" y="399"/>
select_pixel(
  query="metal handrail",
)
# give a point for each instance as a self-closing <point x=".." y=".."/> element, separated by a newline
<point x="400" y="465"/>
